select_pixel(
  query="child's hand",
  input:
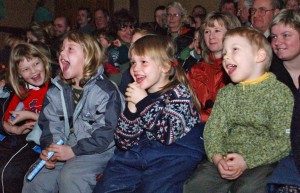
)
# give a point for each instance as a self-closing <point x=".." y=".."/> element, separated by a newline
<point x="61" y="152"/>
<point x="50" y="164"/>
<point x="22" y="116"/>
<point x="236" y="161"/>
<point x="134" y="93"/>
<point x="226" y="172"/>
<point x="18" y="130"/>
<point x="117" y="43"/>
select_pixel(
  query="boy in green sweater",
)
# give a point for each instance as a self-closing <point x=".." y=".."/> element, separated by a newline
<point x="248" y="130"/>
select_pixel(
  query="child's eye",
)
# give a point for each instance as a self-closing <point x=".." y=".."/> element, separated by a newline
<point x="24" y="69"/>
<point x="144" y="61"/>
<point x="206" y="31"/>
<point x="235" y="49"/>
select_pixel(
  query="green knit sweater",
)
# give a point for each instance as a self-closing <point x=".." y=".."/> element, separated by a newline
<point x="252" y="120"/>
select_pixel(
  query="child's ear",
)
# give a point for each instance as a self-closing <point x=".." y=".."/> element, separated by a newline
<point x="261" y="56"/>
<point x="166" y="68"/>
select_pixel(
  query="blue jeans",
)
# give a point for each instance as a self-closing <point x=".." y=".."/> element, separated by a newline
<point x="149" y="168"/>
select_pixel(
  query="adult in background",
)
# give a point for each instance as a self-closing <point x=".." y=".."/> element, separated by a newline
<point x="262" y="14"/>
<point x="182" y="35"/>
<point x="243" y="14"/>
<point x="61" y="26"/>
<point x="84" y="17"/>
<point x="228" y="6"/>
<point x="101" y="17"/>
<point x="159" y="16"/>
<point x="285" y="34"/>
<point x="199" y="10"/>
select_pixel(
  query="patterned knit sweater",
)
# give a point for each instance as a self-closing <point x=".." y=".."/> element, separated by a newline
<point x="165" y="118"/>
<point x="252" y="120"/>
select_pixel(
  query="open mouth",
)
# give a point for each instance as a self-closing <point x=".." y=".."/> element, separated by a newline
<point x="64" y="65"/>
<point x="139" y="78"/>
<point x="36" y="78"/>
<point x="230" y="68"/>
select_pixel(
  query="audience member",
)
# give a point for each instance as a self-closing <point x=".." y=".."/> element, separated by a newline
<point x="246" y="134"/>
<point x="30" y="72"/>
<point x="88" y="136"/>
<point x="61" y="26"/>
<point x="199" y="10"/>
<point x="42" y="13"/>
<point x="292" y="4"/>
<point x="228" y="6"/>
<point x="285" y="43"/>
<point x="208" y="76"/>
<point x="84" y="19"/>
<point x="199" y="20"/>
<point x="158" y="138"/>
<point x="101" y="17"/>
<point x="285" y="33"/>
<point x="160" y="23"/>
<point x="262" y="14"/>
<point x="243" y="14"/>
<point x="192" y="53"/>
<point x="182" y="35"/>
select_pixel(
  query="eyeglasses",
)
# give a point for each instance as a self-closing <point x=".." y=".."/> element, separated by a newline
<point x="124" y="28"/>
<point x="260" y="11"/>
<point x="174" y="15"/>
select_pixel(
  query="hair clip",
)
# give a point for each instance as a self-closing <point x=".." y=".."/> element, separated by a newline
<point x="175" y="63"/>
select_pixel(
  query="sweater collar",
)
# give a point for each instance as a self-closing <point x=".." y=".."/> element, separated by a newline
<point x="265" y="76"/>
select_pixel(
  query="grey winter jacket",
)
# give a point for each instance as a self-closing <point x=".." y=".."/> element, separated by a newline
<point x="94" y="119"/>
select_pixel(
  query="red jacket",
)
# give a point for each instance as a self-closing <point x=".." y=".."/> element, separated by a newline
<point x="32" y="103"/>
<point x="206" y="79"/>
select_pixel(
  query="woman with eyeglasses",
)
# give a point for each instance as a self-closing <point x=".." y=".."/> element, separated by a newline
<point x="182" y="35"/>
<point x="285" y="35"/>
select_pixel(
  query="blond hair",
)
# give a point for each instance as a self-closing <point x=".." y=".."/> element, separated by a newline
<point x="20" y="53"/>
<point x="256" y="39"/>
<point x="228" y="21"/>
<point x="162" y="50"/>
<point x="92" y="52"/>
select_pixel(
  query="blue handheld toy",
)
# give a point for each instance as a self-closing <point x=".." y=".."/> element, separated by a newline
<point x="19" y="107"/>
<point x="34" y="172"/>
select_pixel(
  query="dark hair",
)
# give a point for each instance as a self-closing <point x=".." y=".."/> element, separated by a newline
<point x="228" y="1"/>
<point x="88" y="11"/>
<point x="200" y="6"/>
<point x="120" y="19"/>
<point x="67" y="20"/>
<point x="160" y="7"/>
<point x="104" y="11"/>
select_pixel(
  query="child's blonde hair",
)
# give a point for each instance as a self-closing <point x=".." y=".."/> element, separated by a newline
<point x="256" y="39"/>
<point x="228" y="21"/>
<point x="162" y="50"/>
<point x="20" y="53"/>
<point x="92" y="52"/>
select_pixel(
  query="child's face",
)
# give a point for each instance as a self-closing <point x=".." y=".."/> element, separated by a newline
<point x="240" y="59"/>
<point x="104" y="43"/>
<point x="148" y="73"/>
<point x="285" y="42"/>
<point x="213" y="37"/>
<point x="72" y="60"/>
<point x="32" y="71"/>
